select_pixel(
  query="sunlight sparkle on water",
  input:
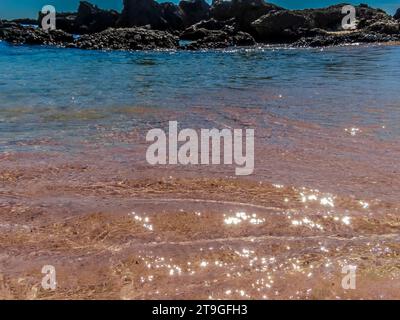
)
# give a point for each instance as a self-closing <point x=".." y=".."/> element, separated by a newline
<point x="240" y="217"/>
<point x="145" y="220"/>
<point x="352" y="131"/>
<point x="307" y="222"/>
<point x="326" y="200"/>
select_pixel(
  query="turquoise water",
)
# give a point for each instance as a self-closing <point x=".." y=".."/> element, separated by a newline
<point x="44" y="89"/>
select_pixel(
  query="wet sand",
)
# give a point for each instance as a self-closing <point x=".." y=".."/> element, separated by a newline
<point x="115" y="227"/>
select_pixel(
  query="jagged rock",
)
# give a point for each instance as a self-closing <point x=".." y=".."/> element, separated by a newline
<point x="173" y="15"/>
<point x="17" y="34"/>
<point x="292" y="25"/>
<point x="194" y="34"/>
<point x="397" y="14"/>
<point x="269" y="23"/>
<point x="281" y="25"/>
<point x="91" y="19"/>
<point x="330" y="18"/>
<point x="199" y="30"/>
<point x="212" y="24"/>
<point x="128" y="39"/>
<point x="194" y="11"/>
<point x="244" y="11"/>
<point x="385" y="27"/>
<point x="142" y="13"/>
<point x="163" y="16"/>
<point x="367" y="16"/>
<point x="216" y="39"/>
<point x="88" y="19"/>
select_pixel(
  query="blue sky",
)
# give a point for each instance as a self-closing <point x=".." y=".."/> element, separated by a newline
<point x="10" y="9"/>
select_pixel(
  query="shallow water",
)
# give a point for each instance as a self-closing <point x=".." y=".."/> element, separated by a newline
<point x="330" y="87"/>
<point x="324" y="193"/>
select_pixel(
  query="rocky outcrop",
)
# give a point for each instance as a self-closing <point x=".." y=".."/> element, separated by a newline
<point x="282" y="25"/>
<point x="245" y="12"/>
<point x="344" y="38"/>
<point x="367" y="16"/>
<point x="17" y="34"/>
<point x="91" y="19"/>
<point x="128" y="39"/>
<point x="213" y="34"/>
<point x="163" y="16"/>
<point x="142" y="13"/>
<point x="217" y="39"/>
<point x="110" y="39"/>
<point x="194" y="11"/>
<point x="397" y="14"/>
<point x="88" y="19"/>
<point x="200" y="29"/>
<point x="173" y="15"/>
<point x="384" y="27"/>
<point x="148" y="25"/>
<point x="289" y="25"/>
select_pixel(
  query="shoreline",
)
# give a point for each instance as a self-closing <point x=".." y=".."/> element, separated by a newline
<point x="257" y="46"/>
<point x="153" y="26"/>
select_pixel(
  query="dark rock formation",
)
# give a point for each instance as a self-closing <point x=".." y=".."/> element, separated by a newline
<point x="163" y="16"/>
<point x="91" y="19"/>
<point x="194" y="11"/>
<point x="281" y="25"/>
<point x="142" y="13"/>
<point x="292" y="25"/>
<point x="200" y="29"/>
<point x="344" y="38"/>
<point x="173" y="15"/>
<point x="216" y="39"/>
<point x="88" y="19"/>
<point x="224" y="24"/>
<point x="366" y="16"/>
<point x="244" y="11"/>
<point x="384" y="27"/>
<point x="329" y="18"/>
<point x="17" y="34"/>
<point x="110" y="39"/>
<point x="128" y="39"/>
<point x="397" y="14"/>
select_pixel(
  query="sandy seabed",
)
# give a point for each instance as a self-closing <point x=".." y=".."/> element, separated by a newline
<point x="115" y="227"/>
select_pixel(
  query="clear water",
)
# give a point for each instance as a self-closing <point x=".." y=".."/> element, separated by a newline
<point x="44" y="88"/>
<point x="324" y="193"/>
